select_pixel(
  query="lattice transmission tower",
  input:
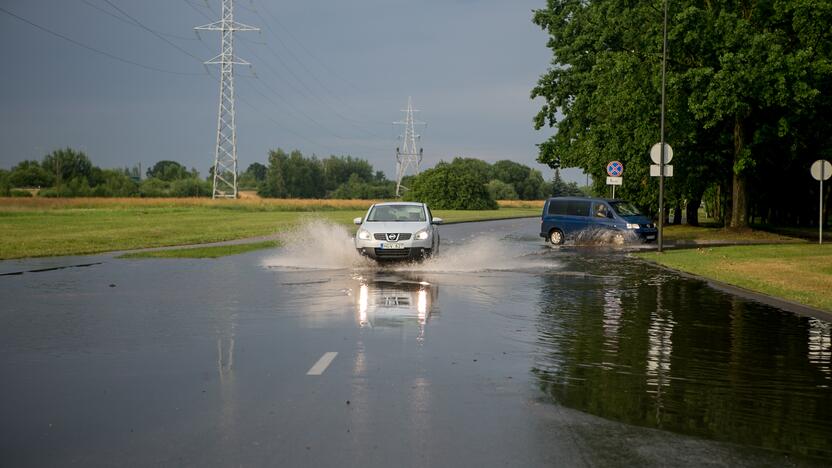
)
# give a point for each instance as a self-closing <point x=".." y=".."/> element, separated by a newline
<point x="225" y="155"/>
<point x="407" y="156"/>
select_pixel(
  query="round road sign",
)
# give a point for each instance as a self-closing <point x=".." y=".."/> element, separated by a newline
<point x="615" y="169"/>
<point x="656" y="153"/>
<point x="821" y="169"/>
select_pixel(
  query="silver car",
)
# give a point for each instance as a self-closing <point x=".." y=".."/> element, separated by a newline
<point x="398" y="231"/>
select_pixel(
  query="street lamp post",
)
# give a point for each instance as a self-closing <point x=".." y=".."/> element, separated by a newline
<point x="663" y="149"/>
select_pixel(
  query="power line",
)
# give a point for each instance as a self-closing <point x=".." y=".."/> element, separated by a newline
<point x="96" y="50"/>
<point x="320" y="62"/>
<point x="152" y="31"/>
<point x="312" y="95"/>
<point x="126" y="21"/>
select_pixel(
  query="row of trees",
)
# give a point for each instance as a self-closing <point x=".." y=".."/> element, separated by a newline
<point x="464" y="183"/>
<point x="748" y="92"/>
<point x="292" y="175"/>
<point x="473" y="184"/>
<point x="70" y="173"/>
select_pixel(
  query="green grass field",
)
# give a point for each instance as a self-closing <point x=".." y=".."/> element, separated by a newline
<point x="43" y="227"/>
<point x="797" y="272"/>
<point x="710" y="233"/>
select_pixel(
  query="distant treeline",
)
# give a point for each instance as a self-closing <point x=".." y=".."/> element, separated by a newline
<point x="464" y="183"/>
<point x="70" y="173"/>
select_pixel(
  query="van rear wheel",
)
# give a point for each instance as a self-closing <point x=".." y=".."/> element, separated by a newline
<point x="556" y="237"/>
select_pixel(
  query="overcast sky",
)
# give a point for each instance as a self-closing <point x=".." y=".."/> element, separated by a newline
<point x="327" y="77"/>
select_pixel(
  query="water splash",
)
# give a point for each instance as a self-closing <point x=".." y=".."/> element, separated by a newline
<point x="593" y="236"/>
<point x="324" y="245"/>
<point x="482" y="253"/>
<point x="317" y="245"/>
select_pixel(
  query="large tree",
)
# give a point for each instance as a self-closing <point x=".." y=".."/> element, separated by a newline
<point x="740" y="74"/>
<point x="67" y="164"/>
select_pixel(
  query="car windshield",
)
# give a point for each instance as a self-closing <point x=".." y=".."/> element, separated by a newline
<point x="625" y="208"/>
<point x="388" y="213"/>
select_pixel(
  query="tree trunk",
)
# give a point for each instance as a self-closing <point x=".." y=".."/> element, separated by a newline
<point x="739" y="207"/>
<point x="677" y="213"/>
<point x="692" y="209"/>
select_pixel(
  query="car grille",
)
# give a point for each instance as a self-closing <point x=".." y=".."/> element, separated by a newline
<point x="382" y="236"/>
<point x="392" y="253"/>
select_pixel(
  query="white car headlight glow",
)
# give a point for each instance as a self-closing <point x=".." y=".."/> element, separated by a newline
<point x="422" y="235"/>
<point x="632" y="226"/>
<point x="363" y="235"/>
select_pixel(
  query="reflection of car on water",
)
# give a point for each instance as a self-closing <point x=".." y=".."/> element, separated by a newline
<point x="398" y="231"/>
<point x="395" y="302"/>
<point x="565" y="217"/>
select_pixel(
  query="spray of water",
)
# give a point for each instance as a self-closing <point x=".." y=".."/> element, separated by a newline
<point x="481" y="253"/>
<point x="605" y="237"/>
<point x="318" y="244"/>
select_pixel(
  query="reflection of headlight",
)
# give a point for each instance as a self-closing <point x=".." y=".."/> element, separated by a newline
<point x="422" y="235"/>
<point x="364" y="235"/>
<point x="632" y="226"/>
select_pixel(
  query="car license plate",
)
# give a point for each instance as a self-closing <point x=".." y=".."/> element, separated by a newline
<point x="651" y="237"/>
<point x="392" y="245"/>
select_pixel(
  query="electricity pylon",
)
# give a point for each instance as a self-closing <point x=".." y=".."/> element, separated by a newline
<point x="408" y="156"/>
<point x="225" y="155"/>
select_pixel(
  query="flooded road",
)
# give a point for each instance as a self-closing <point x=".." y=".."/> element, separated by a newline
<point x="502" y="351"/>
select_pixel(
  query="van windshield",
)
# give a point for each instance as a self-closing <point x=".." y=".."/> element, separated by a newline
<point x="625" y="208"/>
<point x="393" y="213"/>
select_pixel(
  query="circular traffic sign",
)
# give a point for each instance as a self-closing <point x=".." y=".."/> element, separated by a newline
<point x="615" y="169"/>
<point x="656" y="153"/>
<point x="821" y="170"/>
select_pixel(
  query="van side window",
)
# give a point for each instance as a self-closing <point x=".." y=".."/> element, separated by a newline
<point x="557" y="207"/>
<point x="577" y="208"/>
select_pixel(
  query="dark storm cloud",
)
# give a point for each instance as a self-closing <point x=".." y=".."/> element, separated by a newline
<point x="327" y="77"/>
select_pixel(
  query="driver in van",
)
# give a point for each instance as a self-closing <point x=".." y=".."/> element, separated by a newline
<point x="601" y="211"/>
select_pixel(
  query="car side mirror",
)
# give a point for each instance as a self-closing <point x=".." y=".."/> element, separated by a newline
<point x="438" y="221"/>
<point x="357" y="221"/>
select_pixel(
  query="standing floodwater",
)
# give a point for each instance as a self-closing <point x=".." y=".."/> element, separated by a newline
<point x="636" y="344"/>
<point x="501" y="351"/>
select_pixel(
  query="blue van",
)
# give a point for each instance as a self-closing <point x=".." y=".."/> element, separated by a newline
<point x="564" y="217"/>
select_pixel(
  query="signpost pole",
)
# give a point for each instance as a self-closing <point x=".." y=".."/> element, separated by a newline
<point x="820" y="215"/>
<point x="661" y="164"/>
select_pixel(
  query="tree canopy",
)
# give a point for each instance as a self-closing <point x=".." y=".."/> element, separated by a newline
<point x="452" y="186"/>
<point x="746" y="85"/>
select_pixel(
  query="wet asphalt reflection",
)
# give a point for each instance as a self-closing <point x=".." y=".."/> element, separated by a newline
<point x="503" y="351"/>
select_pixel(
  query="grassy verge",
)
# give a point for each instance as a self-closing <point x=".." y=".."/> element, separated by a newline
<point x="710" y="233"/>
<point x="204" y="252"/>
<point x="797" y="272"/>
<point x="39" y="227"/>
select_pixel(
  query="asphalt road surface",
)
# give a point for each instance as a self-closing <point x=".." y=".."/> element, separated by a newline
<point x="502" y="351"/>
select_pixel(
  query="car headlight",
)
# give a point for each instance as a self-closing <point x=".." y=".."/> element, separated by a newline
<point x="422" y="235"/>
<point x="632" y="226"/>
<point x="363" y="235"/>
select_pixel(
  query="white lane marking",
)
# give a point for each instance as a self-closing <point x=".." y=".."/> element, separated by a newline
<point x="322" y="364"/>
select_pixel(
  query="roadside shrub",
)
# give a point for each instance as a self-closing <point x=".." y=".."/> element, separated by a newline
<point x="5" y="185"/>
<point x="154" y="188"/>
<point x="500" y="190"/>
<point x="446" y="187"/>
<point x="77" y="187"/>
<point x="191" y="188"/>
<point x="20" y="194"/>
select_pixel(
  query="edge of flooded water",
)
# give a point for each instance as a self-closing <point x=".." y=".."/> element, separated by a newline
<point x="780" y="303"/>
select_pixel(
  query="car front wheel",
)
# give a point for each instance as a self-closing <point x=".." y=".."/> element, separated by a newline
<point x="556" y="237"/>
